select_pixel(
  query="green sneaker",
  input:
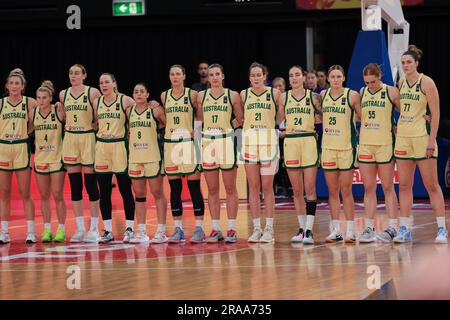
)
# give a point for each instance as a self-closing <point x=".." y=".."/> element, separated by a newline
<point x="47" y="236"/>
<point x="60" y="236"/>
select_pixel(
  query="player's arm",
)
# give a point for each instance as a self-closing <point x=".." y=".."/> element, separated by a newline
<point x="394" y="95"/>
<point x="194" y="95"/>
<point x="243" y="96"/>
<point x="355" y="102"/>
<point x="59" y="107"/>
<point x="432" y="95"/>
<point x="280" y="106"/>
<point x="317" y="102"/>
<point x="237" y="110"/>
<point x="199" y="109"/>
<point x="32" y="104"/>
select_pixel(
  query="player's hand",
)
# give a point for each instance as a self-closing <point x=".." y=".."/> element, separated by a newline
<point x="430" y="149"/>
<point x="427" y="118"/>
<point x="154" y="104"/>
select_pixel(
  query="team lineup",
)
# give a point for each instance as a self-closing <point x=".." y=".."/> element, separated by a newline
<point x="100" y="133"/>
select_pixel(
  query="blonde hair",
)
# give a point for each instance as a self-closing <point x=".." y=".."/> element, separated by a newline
<point x="47" y="86"/>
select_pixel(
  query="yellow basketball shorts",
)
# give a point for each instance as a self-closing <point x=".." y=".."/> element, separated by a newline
<point x="375" y="154"/>
<point x="300" y="152"/>
<point x="48" y="168"/>
<point x="218" y="153"/>
<point x="14" y="156"/>
<point x="146" y="170"/>
<point x="413" y="148"/>
<point x="338" y="159"/>
<point x="79" y="149"/>
<point x="111" y="157"/>
<point x="180" y="157"/>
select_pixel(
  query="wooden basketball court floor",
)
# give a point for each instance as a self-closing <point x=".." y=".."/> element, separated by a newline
<point x="211" y="271"/>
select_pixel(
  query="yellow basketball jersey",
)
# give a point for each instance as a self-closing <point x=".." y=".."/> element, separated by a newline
<point x="413" y="108"/>
<point x="79" y="112"/>
<point x="143" y="137"/>
<point x="179" y="115"/>
<point x="48" y="136"/>
<point x="14" y="121"/>
<point x="217" y="114"/>
<point x="299" y="113"/>
<point x="377" y="117"/>
<point x="112" y="119"/>
<point x="339" y="123"/>
<point x="259" y="110"/>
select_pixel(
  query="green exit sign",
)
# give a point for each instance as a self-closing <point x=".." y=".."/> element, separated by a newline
<point x="128" y="8"/>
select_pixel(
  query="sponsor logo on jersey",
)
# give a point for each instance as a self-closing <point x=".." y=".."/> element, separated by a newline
<point x="344" y="101"/>
<point x="329" y="164"/>
<point x="383" y="95"/>
<point x="135" y="172"/>
<point x="225" y="99"/>
<point x="101" y="167"/>
<point x="70" y="159"/>
<point x="267" y="96"/>
<point x="186" y="101"/>
<point x="42" y="167"/>
<point x="4" y="164"/>
<point x="366" y="156"/>
<point x="401" y="152"/>
<point x="292" y="162"/>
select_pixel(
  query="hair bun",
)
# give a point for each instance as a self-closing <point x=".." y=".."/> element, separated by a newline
<point x="48" y="85"/>
<point x="418" y="51"/>
<point x="17" y="71"/>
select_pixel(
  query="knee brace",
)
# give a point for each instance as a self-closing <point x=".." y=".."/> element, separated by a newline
<point x="311" y="206"/>
<point x="176" y="187"/>
<point x="90" y="183"/>
<point x="197" y="197"/>
<point x="76" y="186"/>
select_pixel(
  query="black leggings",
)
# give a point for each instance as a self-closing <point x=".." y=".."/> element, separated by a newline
<point x="105" y="184"/>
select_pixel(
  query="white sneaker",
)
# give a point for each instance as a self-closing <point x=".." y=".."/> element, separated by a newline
<point x="31" y="237"/>
<point x="267" y="236"/>
<point x="160" y="237"/>
<point x="442" y="236"/>
<point x="78" y="236"/>
<point x="368" y="235"/>
<point x="256" y="235"/>
<point x="140" y="237"/>
<point x="4" y="237"/>
<point x="92" y="236"/>
<point x="350" y="237"/>
<point x="334" y="236"/>
<point x="128" y="235"/>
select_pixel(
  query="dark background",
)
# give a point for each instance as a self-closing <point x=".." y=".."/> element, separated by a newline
<point x="34" y="37"/>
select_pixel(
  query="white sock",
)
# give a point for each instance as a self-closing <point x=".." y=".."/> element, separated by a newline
<point x="216" y="224"/>
<point x="309" y="222"/>
<point x="257" y="223"/>
<point x="62" y="227"/>
<point x="441" y="222"/>
<point x="142" y="227"/>
<point x="269" y="222"/>
<point x="232" y="223"/>
<point x="179" y="224"/>
<point x="130" y="224"/>
<point x="30" y="225"/>
<point x="94" y="224"/>
<point x="161" y="227"/>
<point x="405" y="221"/>
<point x="199" y="223"/>
<point x="108" y="225"/>
<point x="350" y="227"/>
<point x="5" y="226"/>
<point x="393" y="223"/>
<point x="370" y="223"/>
<point x="80" y="223"/>
<point x="47" y="226"/>
<point x="336" y="224"/>
<point x="302" y="221"/>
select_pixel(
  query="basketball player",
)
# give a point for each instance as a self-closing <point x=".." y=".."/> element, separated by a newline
<point x="48" y="124"/>
<point x="416" y="144"/>
<point x="260" y="150"/>
<point x="15" y="153"/>
<point x="217" y="106"/>
<point x="111" y="154"/>
<point x="301" y="156"/>
<point x="179" y="153"/>
<point x="145" y="162"/>
<point x="375" y="154"/>
<point x="339" y="105"/>
<point x="79" y="149"/>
